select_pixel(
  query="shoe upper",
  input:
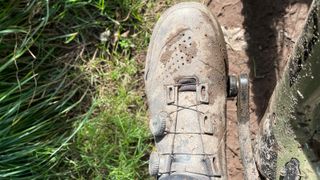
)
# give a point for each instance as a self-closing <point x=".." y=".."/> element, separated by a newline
<point x="185" y="78"/>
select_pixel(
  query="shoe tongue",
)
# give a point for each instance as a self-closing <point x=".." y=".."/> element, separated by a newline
<point x="187" y="116"/>
<point x="187" y="141"/>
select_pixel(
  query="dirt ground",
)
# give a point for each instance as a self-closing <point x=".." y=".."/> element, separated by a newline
<point x="260" y="35"/>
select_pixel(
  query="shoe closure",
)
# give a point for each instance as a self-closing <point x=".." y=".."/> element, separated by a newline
<point x="187" y="42"/>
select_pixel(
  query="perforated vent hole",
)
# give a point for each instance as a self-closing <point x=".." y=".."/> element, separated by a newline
<point x="182" y="52"/>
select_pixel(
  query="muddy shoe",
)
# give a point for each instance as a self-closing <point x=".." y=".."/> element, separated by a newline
<point x="185" y="80"/>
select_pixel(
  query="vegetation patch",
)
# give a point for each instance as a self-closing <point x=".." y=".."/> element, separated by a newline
<point x="71" y="99"/>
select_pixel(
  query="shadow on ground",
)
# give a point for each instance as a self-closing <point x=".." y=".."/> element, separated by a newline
<point x="262" y="20"/>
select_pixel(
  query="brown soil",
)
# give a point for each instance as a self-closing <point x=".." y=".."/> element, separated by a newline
<point x="260" y="36"/>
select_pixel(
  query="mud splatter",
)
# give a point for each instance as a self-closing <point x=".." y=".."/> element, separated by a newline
<point x="171" y="40"/>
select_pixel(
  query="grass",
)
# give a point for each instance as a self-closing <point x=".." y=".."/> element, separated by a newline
<point x="115" y="143"/>
<point x="42" y="93"/>
<point x="71" y="100"/>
